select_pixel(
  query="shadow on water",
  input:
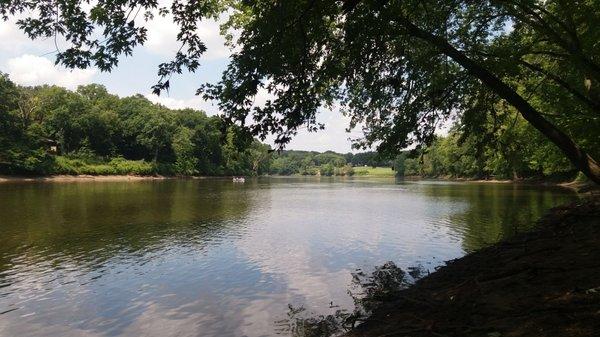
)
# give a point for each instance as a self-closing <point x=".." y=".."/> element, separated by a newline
<point x="491" y="212"/>
<point x="368" y="291"/>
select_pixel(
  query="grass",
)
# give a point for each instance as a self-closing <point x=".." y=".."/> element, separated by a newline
<point x="368" y="171"/>
<point x="116" y="166"/>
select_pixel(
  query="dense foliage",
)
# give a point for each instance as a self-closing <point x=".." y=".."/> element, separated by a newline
<point x="505" y="146"/>
<point x="398" y="68"/>
<point x="51" y="130"/>
<point x="522" y="157"/>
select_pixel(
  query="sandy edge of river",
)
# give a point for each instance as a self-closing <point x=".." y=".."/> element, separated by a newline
<point x="77" y="178"/>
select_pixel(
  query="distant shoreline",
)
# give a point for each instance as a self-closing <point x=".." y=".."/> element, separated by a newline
<point x="85" y="177"/>
<point x="578" y="186"/>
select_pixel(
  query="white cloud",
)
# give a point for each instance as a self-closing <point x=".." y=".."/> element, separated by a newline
<point x="11" y="38"/>
<point x="195" y="102"/>
<point x="209" y="32"/>
<point x="334" y="137"/>
<point x="14" y="41"/>
<point x="162" y="38"/>
<point x="34" y="70"/>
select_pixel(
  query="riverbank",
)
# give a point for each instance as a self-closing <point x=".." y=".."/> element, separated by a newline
<point x="541" y="283"/>
<point x="75" y="178"/>
<point x="580" y="186"/>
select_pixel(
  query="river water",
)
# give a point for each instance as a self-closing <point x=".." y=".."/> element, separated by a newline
<point x="216" y="258"/>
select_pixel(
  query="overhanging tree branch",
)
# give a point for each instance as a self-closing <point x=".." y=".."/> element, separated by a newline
<point x="577" y="156"/>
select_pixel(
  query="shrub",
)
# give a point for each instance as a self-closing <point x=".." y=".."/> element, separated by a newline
<point x="116" y="166"/>
<point x="327" y="170"/>
<point x="24" y="161"/>
<point x="139" y="167"/>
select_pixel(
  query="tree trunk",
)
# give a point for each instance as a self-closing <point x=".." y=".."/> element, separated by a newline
<point x="581" y="160"/>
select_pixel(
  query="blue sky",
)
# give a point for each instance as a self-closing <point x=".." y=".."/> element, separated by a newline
<point x="32" y="62"/>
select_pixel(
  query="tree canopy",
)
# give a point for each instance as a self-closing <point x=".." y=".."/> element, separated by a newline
<point x="52" y="130"/>
<point x="398" y="68"/>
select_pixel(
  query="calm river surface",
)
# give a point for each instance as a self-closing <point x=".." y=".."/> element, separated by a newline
<point x="214" y="258"/>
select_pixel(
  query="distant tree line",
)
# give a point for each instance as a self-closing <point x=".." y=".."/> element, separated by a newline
<point x="512" y="151"/>
<point x="52" y="130"/>
<point x="327" y="163"/>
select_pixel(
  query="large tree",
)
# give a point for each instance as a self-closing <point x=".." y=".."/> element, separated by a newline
<point x="399" y="68"/>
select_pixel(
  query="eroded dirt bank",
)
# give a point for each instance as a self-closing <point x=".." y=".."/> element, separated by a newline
<point x="542" y="283"/>
<point x="73" y="178"/>
<point x="85" y="177"/>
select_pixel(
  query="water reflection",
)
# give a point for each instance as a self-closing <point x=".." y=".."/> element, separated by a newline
<point x="490" y="212"/>
<point x="368" y="291"/>
<point x="212" y="258"/>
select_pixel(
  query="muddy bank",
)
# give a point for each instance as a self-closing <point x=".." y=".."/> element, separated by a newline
<point x="576" y="185"/>
<point x="68" y="178"/>
<point x="76" y="178"/>
<point x="542" y="283"/>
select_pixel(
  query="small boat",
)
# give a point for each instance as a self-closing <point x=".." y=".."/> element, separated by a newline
<point x="239" y="179"/>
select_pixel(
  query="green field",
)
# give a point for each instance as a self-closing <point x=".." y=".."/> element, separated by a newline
<point x="368" y="171"/>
